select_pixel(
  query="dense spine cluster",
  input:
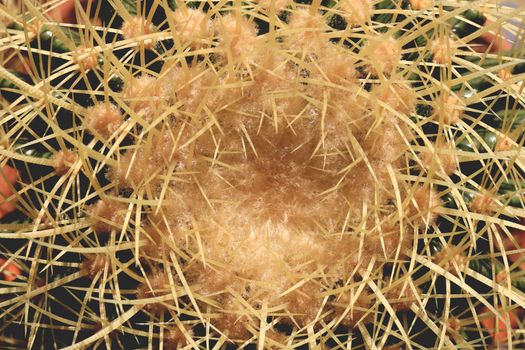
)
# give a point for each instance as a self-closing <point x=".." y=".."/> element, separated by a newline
<point x="271" y="174"/>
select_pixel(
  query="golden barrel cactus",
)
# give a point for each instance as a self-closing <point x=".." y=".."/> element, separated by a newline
<point x="262" y="174"/>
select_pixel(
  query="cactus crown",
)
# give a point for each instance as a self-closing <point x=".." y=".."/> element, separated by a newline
<point x="261" y="173"/>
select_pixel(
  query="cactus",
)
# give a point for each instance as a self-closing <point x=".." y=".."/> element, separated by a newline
<point x="270" y="174"/>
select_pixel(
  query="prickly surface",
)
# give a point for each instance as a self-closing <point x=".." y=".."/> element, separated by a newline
<point x="273" y="186"/>
<point x="267" y="187"/>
